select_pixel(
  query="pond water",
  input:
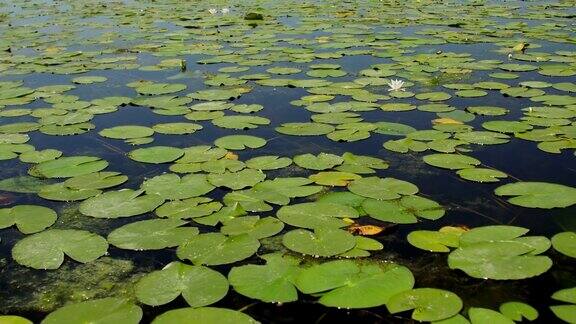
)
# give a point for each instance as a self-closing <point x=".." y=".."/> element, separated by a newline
<point x="287" y="161"/>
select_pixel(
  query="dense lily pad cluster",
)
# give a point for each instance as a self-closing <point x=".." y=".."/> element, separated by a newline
<point x="252" y="149"/>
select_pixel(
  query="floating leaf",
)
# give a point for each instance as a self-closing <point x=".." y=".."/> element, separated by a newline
<point x="333" y="178"/>
<point x="497" y="252"/>
<point x="122" y="203"/>
<point x="436" y="241"/>
<point x="45" y="250"/>
<point x="451" y="161"/>
<point x="322" y="161"/>
<point x="66" y="167"/>
<point x="403" y="211"/>
<point x="97" y="180"/>
<point x="517" y="311"/>
<point x="105" y="310"/>
<point x="200" y="286"/>
<point x="156" y="154"/>
<point x="481" y="174"/>
<point x="268" y="162"/>
<point x="316" y="215"/>
<point x="171" y="187"/>
<point x="28" y="218"/>
<point x="322" y="242"/>
<point x="429" y="304"/>
<point x="347" y="284"/>
<point x="565" y="243"/>
<point x="484" y="315"/>
<point x="237" y="180"/>
<point x="305" y="129"/>
<point x="154" y="234"/>
<point x="538" y="194"/>
<point x="204" y="315"/>
<point x="216" y="248"/>
<point x="273" y="282"/>
<point x="240" y="142"/>
<point x="127" y="132"/>
<point x="382" y="189"/>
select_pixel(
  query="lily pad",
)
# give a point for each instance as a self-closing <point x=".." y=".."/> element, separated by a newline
<point x="272" y="282"/>
<point x="565" y="243"/>
<point x="346" y="284"/>
<point x="98" y="311"/>
<point x="122" y="203"/>
<point x="240" y="142"/>
<point x="324" y="242"/>
<point x="66" y="167"/>
<point x="382" y="189"/>
<point x="538" y="194"/>
<point x="429" y="304"/>
<point x="156" y="154"/>
<point x="200" y="286"/>
<point x="154" y="234"/>
<point x="216" y="248"/>
<point x="45" y="250"/>
<point x="316" y="215"/>
<point x="322" y="161"/>
<point x="204" y="315"/>
<point x="28" y="218"/>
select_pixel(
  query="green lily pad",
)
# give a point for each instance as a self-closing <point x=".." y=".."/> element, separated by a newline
<point x="451" y="161"/>
<point x="122" y="203"/>
<point x="45" y="250"/>
<point x="483" y="315"/>
<point x="240" y="122"/>
<point x="200" y="286"/>
<point x="253" y="226"/>
<point x="436" y="241"/>
<point x="176" y="128"/>
<point x="153" y="234"/>
<point x="346" y="284"/>
<point x="268" y="162"/>
<point x="204" y="315"/>
<point x="188" y="208"/>
<point x="565" y="243"/>
<point x="97" y="180"/>
<point x="517" y="311"/>
<point x="403" y="211"/>
<point x="237" y="180"/>
<point x="127" y="132"/>
<point x="40" y="156"/>
<point x="481" y="174"/>
<point x="66" y="167"/>
<point x="170" y="186"/>
<point x="305" y="129"/>
<point x="322" y="161"/>
<point x="429" y="304"/>
<point x="333" y="178"/>
<point x="98" y="311"/>
<point x="216" y="248"/>
<point x="28" y="218"/>
<point x="382" y="189"/>
<point x="566" y="313"/>
<point x="156" y="154"/>
<point x="538" y="194"/>
<point x="324" y="242"/>
<point x="316" y="215"/>
<point x="500" y="260"/>
<point x="272" y="282"/>
<point x="239" y="142"/>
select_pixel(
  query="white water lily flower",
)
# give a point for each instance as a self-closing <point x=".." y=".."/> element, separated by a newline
<point x="396" y="85"/>
<point x="225" y="11"/>
<point x="213" y="11"/>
